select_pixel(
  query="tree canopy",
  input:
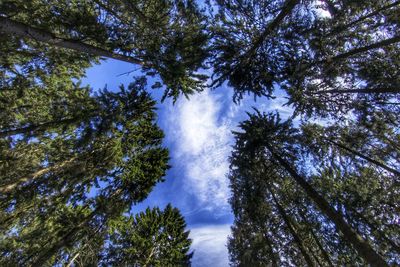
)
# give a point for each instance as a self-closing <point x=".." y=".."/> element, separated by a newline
<point x="318" y="189"/>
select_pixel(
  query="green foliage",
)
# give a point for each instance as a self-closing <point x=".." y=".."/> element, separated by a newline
<point x="151" y="238"/>
<point x="110" y="152"/>
<point x="277" y="218"/>
<point x="330" y="57"/>
<point x="166" y="38"/>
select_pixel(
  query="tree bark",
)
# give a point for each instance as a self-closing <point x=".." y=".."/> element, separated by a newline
<point x="361" y="246"/>
<point x="377" y="163"/>
<point x="292" y="231"/>
<point x="12" y="27"/>
<point x="73" y="259"/>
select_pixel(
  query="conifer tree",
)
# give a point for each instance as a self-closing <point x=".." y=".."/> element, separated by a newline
<point x="319" y="184"/>
<point x="330" y="57"/>
<point x="166" y="38"/>
<point x="151" y="238"/>
<point x="105" y="161"/>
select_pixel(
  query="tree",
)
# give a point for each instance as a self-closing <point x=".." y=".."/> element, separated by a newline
<point x="327" y="64"/>
<point x="277" y="147"/>
<point x="104" y="162"/>
<point x="151" y="238"/>
<point x="84" y="31"/>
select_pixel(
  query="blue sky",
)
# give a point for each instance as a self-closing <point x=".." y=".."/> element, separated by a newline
<point x="198" y="135"/>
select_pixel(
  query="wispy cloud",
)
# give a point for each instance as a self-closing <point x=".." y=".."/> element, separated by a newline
<point x="201" y="133"/>
<point x="209" y="245"/>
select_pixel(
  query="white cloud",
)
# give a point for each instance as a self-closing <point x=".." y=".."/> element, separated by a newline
<point x="209" y="245"/>
<point x="202" y="138"/>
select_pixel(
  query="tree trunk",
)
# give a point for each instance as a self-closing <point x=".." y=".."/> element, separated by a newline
<point x="5" y="189"/>
<point x="360" y="91"/>
<point x="287" y="8"/>
<point x="362" y="246"/>
<point x="12" y="27"/>
<point x="73" y="259"/>
<point x="292" y="231"/>
<point x="363" y="49"/>
<point x="377" y="163"/>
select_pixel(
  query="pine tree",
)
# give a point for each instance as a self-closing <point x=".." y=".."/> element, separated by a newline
<point x="164" y="37"/>
<point x="112" y="155"/>
<point x="151" y="238"/>
<point x="327" y="64"/>
<point x="273" y="163"/>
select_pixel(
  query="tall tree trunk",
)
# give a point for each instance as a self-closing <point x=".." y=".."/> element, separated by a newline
<point x="286" y="10"/>
<point x="5" y="189"/>
<point x="362" y="246"/>
<point x="371" y="160"/>
<point x="292" y="231"/>
<point x="375" y="229"/>
<point x="12" y="27"/>
<point x="360" y="91"/>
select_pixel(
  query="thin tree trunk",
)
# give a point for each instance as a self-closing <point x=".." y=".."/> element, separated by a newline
<point x="362" y="246"/>
<point x="363" y="49"/>
<point x="73" y="259"/>
<point x="5" y="189"/>
<point x="12" y="27"/>
<point x="149" y="257"/>
<point x="379" y="164"/>
<point x="360" y="91"/>
<point x="286" y="10"/>
<point x="342" y="28"/>
<point x="292" y="231"/>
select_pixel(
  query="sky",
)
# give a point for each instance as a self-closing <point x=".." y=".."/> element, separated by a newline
<point x="198" y="134"/>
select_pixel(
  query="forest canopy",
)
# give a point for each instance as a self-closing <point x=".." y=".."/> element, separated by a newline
<point x="320" y="188"/>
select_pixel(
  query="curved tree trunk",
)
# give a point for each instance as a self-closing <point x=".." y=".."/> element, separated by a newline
<point x="362" y="246"/>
